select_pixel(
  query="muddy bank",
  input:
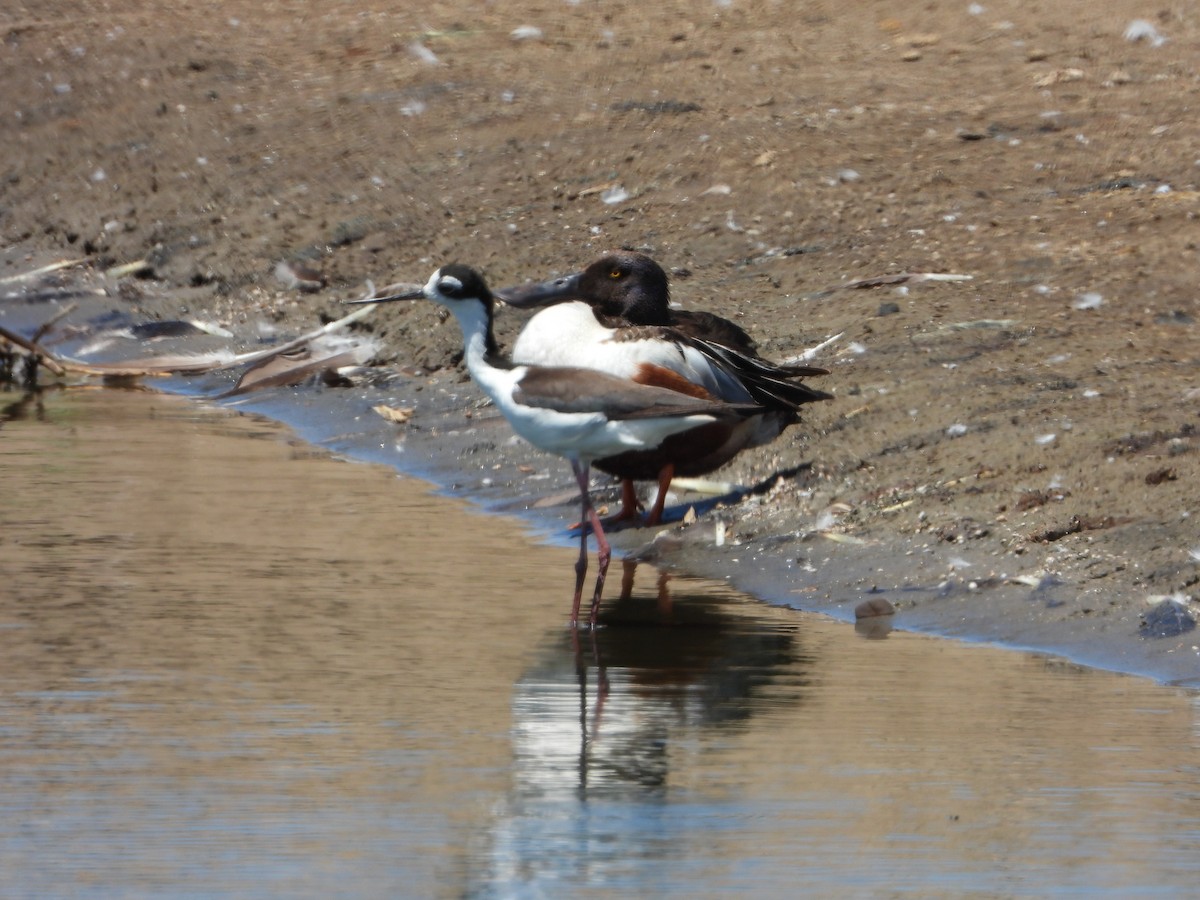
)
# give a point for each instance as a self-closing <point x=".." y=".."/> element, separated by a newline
<point x="784" y="538"/>
<point x="1035" y="423"/>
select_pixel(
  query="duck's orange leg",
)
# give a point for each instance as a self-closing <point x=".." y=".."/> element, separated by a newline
<point x="664" y="482"/>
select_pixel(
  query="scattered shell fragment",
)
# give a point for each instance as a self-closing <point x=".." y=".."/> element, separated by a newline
<point x="202" y="326"/>
<point x="1088" y="300"/>
<point x="526" y="33"/>
<point x="1036" y="580"/>
<point x="297" y="276"/>
<point x="1058" y="76"/>
<point x="839" y="538"/>
<point x="705" y="486"/>
<point x="596" y="189"/>
<point x="614" y="195"/>
<point x="829" y="516"/>
<point x="423" y="53"/>
<point x="922" y="40"/>
<point x="765" y="158"/>
<point x="397" y="414"/>
<point x="1141" y="30"/>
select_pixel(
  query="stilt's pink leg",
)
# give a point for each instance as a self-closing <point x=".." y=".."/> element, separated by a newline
<point x="581" y="476"/>
<point x="603" y="550"/>
<point x="603" y="555"/>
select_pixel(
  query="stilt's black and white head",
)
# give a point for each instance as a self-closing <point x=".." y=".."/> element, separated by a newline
<point x="461" y="290"/>
<point x="456" y="284"/>
<point x="449" y="286"/>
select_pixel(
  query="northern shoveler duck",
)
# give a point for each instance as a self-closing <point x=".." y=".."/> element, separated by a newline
<point x="577" y="413"/>
<point x="622" y="323"/>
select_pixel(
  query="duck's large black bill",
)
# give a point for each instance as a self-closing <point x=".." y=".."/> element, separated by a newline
<point x="545" y="293"/>
<point x="412" y="292"/>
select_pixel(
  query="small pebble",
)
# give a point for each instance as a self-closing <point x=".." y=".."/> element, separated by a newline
<point x="873" y="608"/>
<point x="1168" y="619"/>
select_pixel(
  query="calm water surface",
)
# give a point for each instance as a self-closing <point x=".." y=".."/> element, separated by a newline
<point x="233" y="666"/>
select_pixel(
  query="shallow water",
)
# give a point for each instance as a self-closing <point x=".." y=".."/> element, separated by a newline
<point x="234" y="666"/>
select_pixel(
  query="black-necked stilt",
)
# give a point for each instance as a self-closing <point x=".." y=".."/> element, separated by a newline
<point x="581" y="414"/>
<point x="623" y="324"/>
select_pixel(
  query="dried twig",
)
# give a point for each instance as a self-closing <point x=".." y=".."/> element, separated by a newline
<point x="807" y="355"/>
<point x="53" y="320"/>
<point x="178" y="365"/>
<point x="900" y="278"/>
<point x="287" y="368"/>
<point x="35" y="349"/>
<point x="44" y="270"/>
<point x="137" y="267"/>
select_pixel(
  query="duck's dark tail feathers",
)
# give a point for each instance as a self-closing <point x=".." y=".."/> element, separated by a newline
<point x="769" y="384"/>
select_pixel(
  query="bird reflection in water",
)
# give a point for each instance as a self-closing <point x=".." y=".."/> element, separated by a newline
<point x="663" y="607"/>
<point x="601" y="719"/>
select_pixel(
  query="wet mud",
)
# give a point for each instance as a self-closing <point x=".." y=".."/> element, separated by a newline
<point x="1010" y="458"/>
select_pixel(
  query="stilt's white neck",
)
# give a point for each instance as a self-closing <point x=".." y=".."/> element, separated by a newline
<point x="475" y="323"/>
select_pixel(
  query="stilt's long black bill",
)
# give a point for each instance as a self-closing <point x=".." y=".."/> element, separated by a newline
<point x="545" y="293"/>
<point x="412" y="293"/>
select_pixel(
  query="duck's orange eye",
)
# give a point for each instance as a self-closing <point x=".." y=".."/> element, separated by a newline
<point x="615" y="273"/>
